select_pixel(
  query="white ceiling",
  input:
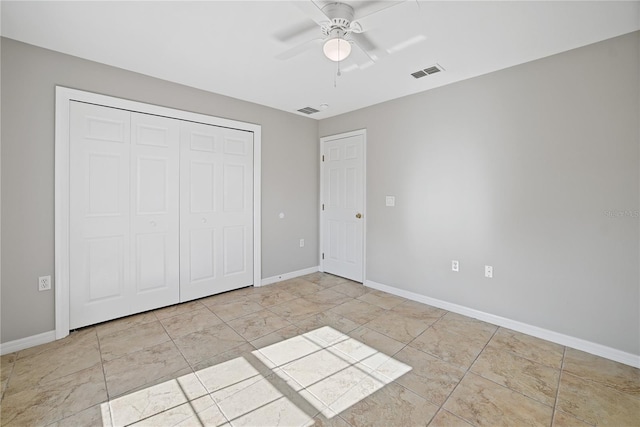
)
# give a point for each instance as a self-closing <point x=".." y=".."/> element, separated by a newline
<point x="230" y="47"/>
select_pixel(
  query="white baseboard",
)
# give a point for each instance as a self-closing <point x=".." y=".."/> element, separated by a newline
<point x="32" y="341"/>
<point x="558" y="338"/>
<point x="287" y="276"/>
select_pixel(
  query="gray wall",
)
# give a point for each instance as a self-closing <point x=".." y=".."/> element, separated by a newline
<point x="29" y="75"/>
<point x="515" y="169"/>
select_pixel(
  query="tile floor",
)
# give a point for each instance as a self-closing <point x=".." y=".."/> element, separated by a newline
<point x="316" y="350"/>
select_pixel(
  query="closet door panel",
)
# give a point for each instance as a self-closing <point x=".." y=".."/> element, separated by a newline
<point x="99" y="205"/>
<point x="155" y="211"/>
<point x="216" y="195"/>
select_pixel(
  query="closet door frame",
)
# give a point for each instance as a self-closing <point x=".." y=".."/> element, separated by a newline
<point x="64" y="96"/>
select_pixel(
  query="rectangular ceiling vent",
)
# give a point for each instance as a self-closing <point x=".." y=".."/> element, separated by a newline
<point x="308" y="110"/>
<point x="427" y="71"/>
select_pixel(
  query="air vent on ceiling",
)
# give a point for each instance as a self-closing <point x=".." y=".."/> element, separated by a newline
<point x="427" y="71"/>
<point x="308" y="110"/>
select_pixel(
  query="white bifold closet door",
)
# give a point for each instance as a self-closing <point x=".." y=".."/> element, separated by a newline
<point x="216" y="210"/>
<point x="161" y="211"/>
<point x="124" y="207"/>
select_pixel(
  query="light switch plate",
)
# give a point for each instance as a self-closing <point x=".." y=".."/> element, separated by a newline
<point x="390" y="200"/>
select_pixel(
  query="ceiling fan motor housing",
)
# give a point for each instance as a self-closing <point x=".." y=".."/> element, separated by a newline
<point x="341" y="16"/>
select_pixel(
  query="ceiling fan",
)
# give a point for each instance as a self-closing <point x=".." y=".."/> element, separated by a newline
<point x="340" y="29"/>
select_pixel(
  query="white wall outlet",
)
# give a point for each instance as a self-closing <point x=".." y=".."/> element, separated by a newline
<point x="302" y="243"/>
<point x="390" y="200"/>
<point x="44" y="283"/>
<point x="488" y="271"/>
<point x="455" y="265"/>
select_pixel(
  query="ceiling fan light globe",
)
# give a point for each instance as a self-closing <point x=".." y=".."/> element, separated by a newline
<point x="336" y="49"/>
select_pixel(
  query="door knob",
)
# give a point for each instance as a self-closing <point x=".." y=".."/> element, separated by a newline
<point x="358" y="215"/>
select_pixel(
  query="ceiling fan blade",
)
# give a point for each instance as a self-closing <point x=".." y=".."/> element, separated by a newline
<point x="371" y="18"/>
<point x="313" y="11"/>
<point x="301" y="48"/>
<point x="367" y="46"/>
<point x="374" y="6"/>
<point x="301" y="31"/>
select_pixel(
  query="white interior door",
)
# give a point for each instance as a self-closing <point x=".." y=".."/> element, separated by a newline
<point x="99" y="214"/>
<point x="343" y="205"/>
<point x="216" y="210"/>
<point x="124" y="206"/>
<point x="155" y="268"/>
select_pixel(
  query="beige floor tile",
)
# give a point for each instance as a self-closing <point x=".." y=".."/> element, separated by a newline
<point x="189" y="322"/>
<point x="227" y="297"/>
<point x="449" y="347"/>
<point x="399" y="326"/>
<point x="392" y="405"/>
<point x="327" y="318"/>
<point x="297" y="309"/>
<point x="235" y="309"/>
<point x="358" y="311"/>
<point x="97" y="415"/>
<point x="382" y="299"/>
<point x="431" y="378"/>
<point x="596" y="403"/>
<point x="532" y="379"/>
<point x="73" y="339"/>
<point x="60" y="361"/>
<point x="324" y="279"/>
<point x="560" y="419"/>
<point x="281" y="412"/>
<point x="7" y="363"/>
<point x="174" y="310"/>
<point x="134" y="370"/>
<point x="132" y="339"/>
<point x="612" y="374"/>
<point x="287" y="351"/>
<point x="242" y="351"/>
<point x="276" y="336"/>
<point x="352" y="289"/>
<point x="328" y="296"/>
<point x="258" y="324"/>
<point x="137" y="406"/>
<point x="376" y="340"/>
<point x="210" y="417"/>
<point x="335" y="421"/>
<point x="268" y="299"/>
<point x="55" y="400"/>
<point x="266" y="402"/>
<point x="467" y="325"/>
<point x="190" y="413"/>
<point x="447" y="419"/>
<point x="227" y="378"/>
<point x="332" y="388"/>
<point x="532" y="348"/>
<point x="420" y="311"/>
<point x="485" y="403"/>
<point x="299" y="286"/>
<point x="207" y="343"/>
<point x="113" y="326"/>
<point x="456" y="340"/>
<point x="314" y="367"/>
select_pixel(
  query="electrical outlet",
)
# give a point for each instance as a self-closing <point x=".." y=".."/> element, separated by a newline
<point x="302" y="243"/>
<point x="455" y="265"/>
<point x="488" y="271"/>
<point x="44" y="283"/>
